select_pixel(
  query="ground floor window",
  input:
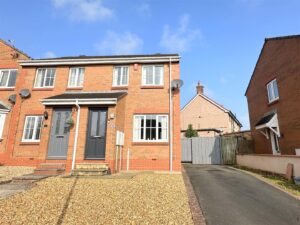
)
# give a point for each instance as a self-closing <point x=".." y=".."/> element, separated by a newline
<point x="2" y="122"/>
<point x="32" y="128"/>
<point x="150" y="128"/>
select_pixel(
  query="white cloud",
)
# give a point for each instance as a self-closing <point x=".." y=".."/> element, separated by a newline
<point x="144" y="9"/>
<point x="49" y="54"/>
<point x="84" y="10"/>
<point x="120" y="43"/>
<point x="179" y="40"/>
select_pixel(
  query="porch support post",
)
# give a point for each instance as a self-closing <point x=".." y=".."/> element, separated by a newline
<point x="76" y="135"/>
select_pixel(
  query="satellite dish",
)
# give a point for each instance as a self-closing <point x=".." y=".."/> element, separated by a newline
<point x="176" y="84"/>
<point x="24" y="93"/>
<point x="12" y="98"/>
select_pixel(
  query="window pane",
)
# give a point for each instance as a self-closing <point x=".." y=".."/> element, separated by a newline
<point x="12" y="78"/>
<point x="58" y="122"/>
<point x="40" y="78"/>
<point x="148" y="71"/>
<point x="81" y="77"/>
<point x="275" y="88"/>
<point x="270" y="93"/>
<point x="102" y="123"/>
<point x="72" y="78"/>
<point x="94" y="123"/>
<point x="49" y="77"/>
<point x="38" y="128"/>
<point x="4" y="78"/>
<point x="158" y="75"/>
<point x="125" y="76"/>
<point x="31" y="127"/>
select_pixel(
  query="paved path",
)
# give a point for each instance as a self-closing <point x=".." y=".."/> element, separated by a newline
<point x="231" y="197"/>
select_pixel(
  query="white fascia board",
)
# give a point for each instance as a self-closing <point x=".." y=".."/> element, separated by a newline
<point x="271" y="124"/>
<point x="53" y="62"/>
<point x="108" y="101"/>
<point x="4" y="111"/>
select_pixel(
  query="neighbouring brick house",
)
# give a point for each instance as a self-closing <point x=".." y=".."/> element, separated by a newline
<point x="9" y="83"/>
<point x="273" y="97"/>
<point x="207" y="116"/>
<point x="77" y="104"/>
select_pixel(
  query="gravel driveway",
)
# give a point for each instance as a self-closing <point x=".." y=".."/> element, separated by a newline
<point x="144" y="199"/>
<point x="231" y="197"/>
<point x="8" y="172"/>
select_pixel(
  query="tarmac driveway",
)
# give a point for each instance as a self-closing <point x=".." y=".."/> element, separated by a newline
<point x="231" y="197"/>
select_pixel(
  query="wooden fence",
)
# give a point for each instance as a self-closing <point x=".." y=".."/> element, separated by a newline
<point x="214" y="150"/>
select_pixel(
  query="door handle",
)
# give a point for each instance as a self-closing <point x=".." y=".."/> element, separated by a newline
<point x="59" y="136"/>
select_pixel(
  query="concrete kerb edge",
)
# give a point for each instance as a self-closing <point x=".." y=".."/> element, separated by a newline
<point x="195" y="207"/>
<point x="267" y="182"/>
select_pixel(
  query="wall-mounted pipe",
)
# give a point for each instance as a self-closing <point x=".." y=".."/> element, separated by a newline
<point x="76" y="135"/>
<point x="170" y="116"/>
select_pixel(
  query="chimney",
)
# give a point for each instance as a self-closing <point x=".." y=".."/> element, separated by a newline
<point x="200" y="88"/>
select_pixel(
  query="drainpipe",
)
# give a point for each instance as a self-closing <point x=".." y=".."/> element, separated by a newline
<point x="76" y="135"/>
<point x="170" y="116"/>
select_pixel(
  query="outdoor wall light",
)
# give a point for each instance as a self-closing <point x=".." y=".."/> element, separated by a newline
<point x="46" y="115"/>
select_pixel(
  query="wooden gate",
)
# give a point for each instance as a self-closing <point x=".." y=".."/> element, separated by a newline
<point x="213" y="150"/>
<point x="201" y="150"/>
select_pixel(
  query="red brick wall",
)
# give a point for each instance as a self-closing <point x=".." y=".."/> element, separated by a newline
<point x="279" y="59"/>
<point x="8" y="61"/>
<point x="99" y="78"/>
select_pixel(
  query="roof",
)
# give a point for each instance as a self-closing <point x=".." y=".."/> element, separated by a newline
<point x="109" y="56"/>
<point x="88" y="95"/>
<point x="265" y="119"/>
<point x="216" y="104"/>
<point x="13" y="47"/>
<point x="260" y="54"/>
<point x="96" y="60"/>
<point x="3" y="107"/>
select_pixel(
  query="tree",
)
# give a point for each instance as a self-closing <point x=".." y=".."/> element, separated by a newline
<point x="190" y="132"/>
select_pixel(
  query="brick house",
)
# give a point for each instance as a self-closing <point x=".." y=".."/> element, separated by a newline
<point x="9" y="81"/>
<point x="207" y="116"/>
<point x="71" y="109"/>
<point x="273" y="95"/>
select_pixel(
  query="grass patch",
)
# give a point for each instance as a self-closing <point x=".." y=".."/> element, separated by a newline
<point x="276" y="179"/>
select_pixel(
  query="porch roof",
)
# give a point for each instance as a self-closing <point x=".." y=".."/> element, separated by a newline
<point x="269" y="121"/>
<point x="85" y="98"/>
<point x="4" y="108"/>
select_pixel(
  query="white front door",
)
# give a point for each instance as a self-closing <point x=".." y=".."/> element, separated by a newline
<point x="274" y="143"/>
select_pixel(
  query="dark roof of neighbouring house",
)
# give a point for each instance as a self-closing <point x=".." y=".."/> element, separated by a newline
<point x="265" y="119"/>
<point x="108" y="56"/>
<point x="3" y="107"/>
<point x="260" y="54"/>
<point x="13" y="47"/>
<point x="88" y="95"/>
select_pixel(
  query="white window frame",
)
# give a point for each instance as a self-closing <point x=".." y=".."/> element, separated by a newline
<point x="9" y="70"/>
<point x="271" y="91"/>
<point x="77" y="76"/>
<point x="2" y="122"/>
<point x="153" y="84"/>
<point x="115" y="79"/>
<point x="43" y="86"/>
<point x="157" y="116"/>
<point x="34" y="128"/>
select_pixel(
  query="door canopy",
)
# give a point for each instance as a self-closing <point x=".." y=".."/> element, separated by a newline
<point x="269" y="121"/>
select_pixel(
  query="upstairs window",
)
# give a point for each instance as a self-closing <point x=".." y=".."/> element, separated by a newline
<point x="120" y="76"/>
<point x="272" y="89"/>
<point x="8" y="78"/>
<point x="44" y="78"/>
<point x="153" y="75"/>
<point x="76" y="77"/>
<point x="150" y="128"/>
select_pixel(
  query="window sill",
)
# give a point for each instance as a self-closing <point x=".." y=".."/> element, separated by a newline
<point x="29" y="143"/>
<point x="150" y="143"/>
<point x="42" y="89"/>
<point x="119" y="88"/>
<point x="152" y="87"/>
<point x="74" y="88"/>
<point x="7" y="88"/>
<point x="273" y="102"/>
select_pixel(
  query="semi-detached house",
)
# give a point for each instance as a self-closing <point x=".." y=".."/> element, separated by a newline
<point x="71" y="109"/>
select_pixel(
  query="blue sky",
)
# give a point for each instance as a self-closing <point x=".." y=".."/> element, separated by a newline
<point x="219" y="40"/>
